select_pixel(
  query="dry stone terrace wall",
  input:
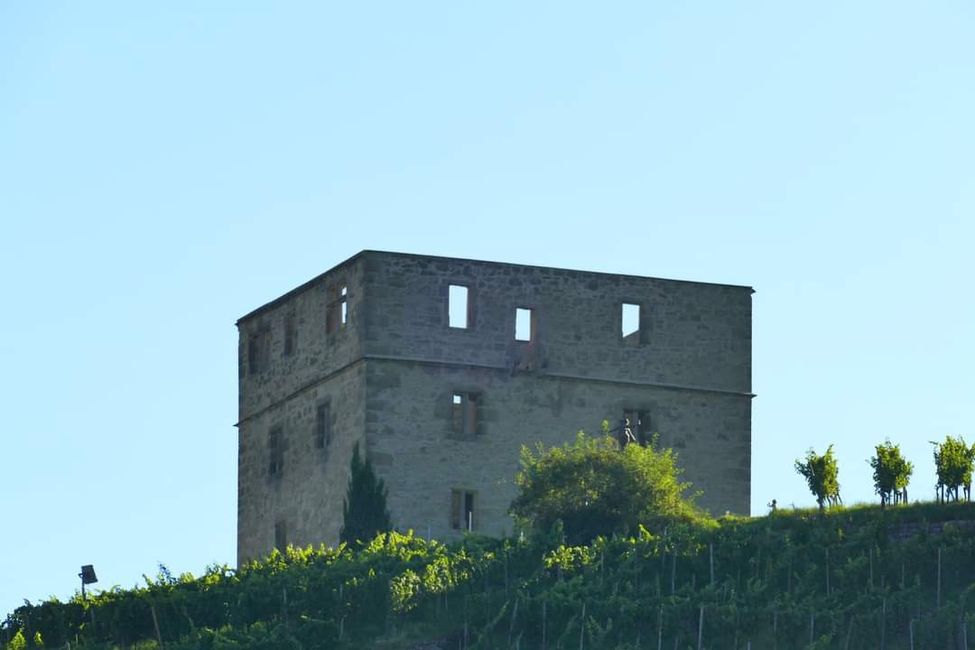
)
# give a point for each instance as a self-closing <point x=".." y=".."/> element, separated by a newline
<point x="391" y="371"/>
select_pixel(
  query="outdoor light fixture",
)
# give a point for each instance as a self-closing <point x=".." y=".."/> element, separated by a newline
<point x="87" y="576"/>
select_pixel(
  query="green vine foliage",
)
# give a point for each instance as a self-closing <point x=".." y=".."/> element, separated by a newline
<point x="891" y="472"/>
<point x="796" y="579"/>
<point x="953" y="463"/>
<point x="822" y="476"/>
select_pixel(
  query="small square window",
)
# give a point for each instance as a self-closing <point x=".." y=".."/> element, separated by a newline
<point x="458" y="307"/>
<point x="524" y="324"/>
<point x="462" y="510"/>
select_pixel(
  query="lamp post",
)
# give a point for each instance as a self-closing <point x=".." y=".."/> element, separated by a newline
<point x="88" y="577"/>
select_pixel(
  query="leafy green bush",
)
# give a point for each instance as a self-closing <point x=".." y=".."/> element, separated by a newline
<point x="595" y="488"/>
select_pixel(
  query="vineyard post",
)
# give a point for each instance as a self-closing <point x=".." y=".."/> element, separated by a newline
<point x="812" y="626"/>
<point x="511" y="625"/>
<point x="711" y="552"/>
<point x="544" y="622"/>
<point x="849" y="632"/>
<point x="910" y="630"/>
<point x="775" y="628"/>
<point x="155" y="624"/>
<point x="673" y="573"/>
<point x="660" y="628"/>
<point x="827" y="572"/>
<point x="871" y="568"/>
<point x="700" y="628"/>
<point x="938" y="602"/>
<point x="883" y="625"/>
<point x="284" y="605"/>
<point x="582" y="626"/>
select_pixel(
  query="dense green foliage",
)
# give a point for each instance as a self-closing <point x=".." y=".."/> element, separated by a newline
<point x="594" y="488"/>
<point x="854" y="578"/>
<point x="891" y="473"/>
<point x="364" y="514"/>
<point x="953" y="463"/>
<point x="822" y="476"/>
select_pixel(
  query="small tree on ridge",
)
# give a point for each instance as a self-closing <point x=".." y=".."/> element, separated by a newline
<point x="364" y="514"/>
<point x="891" y="473"/>
<point x="822" y="476"/>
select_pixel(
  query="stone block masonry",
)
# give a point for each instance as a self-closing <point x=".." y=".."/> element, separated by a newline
<point x="440" y="369"/>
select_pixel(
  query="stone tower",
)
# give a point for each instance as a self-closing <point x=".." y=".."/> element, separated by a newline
<point x="440" y="369"/>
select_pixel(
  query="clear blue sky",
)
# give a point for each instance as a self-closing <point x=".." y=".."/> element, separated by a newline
<point x="167" y="167"/>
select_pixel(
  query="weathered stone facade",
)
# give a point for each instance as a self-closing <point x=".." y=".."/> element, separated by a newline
<point x="442" y="411"/>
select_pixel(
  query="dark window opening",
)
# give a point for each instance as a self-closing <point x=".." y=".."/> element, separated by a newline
<point x="462" y="510"/>
<point x="639" y="425"/>
<point x="258" y="351"/>
<point x="524" y="324"/>
<point x="281" y="536"/>
<point x="337" y="310"/>
<point x="458" y="306"/>
<point x="290" y="336"/>
<point x="464" y="413"/>
<point x="323" y="426"/>
<point x="275" y="444"/>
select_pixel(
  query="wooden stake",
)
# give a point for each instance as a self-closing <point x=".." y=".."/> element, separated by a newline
<point x="544" y="622"/>
<point x="660" y="628"/>
<point x="582" y="626"/>
<point x="155" y="624"/>
<point x="883" y="625"/>
<point x="871" y="568"/>
<point x="939" y="578"/>
<point x="910" y="628"/>
<point x="700" y="629"/>
<point x="673" y="573"/>
<point x="827" y="572"/>
<point x="711" y="552"/>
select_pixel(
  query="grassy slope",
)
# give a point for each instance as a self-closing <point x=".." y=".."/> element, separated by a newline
<point x="790" y="580"/>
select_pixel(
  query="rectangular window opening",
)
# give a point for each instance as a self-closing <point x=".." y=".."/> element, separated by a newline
<point x="464" y="413"/>
<point x="630" y="319"/>
<point x="258" y="351"/>
<point x="462" y="510"/>
<point x="524" y="324"/>
<point x="281" y="536"/>
<point x="337" y="310"/>
<point x="323" y="426"/>
<point x="275" y="445"/>
<point x="639" y="424"/>
<point x="458" y="307"/>
<point x="290" y="336"/>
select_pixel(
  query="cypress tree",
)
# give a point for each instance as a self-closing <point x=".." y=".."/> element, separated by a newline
<point x="364" y="514"/>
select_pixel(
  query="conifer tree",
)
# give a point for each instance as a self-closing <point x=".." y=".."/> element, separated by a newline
<point x="364" y="514"/>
